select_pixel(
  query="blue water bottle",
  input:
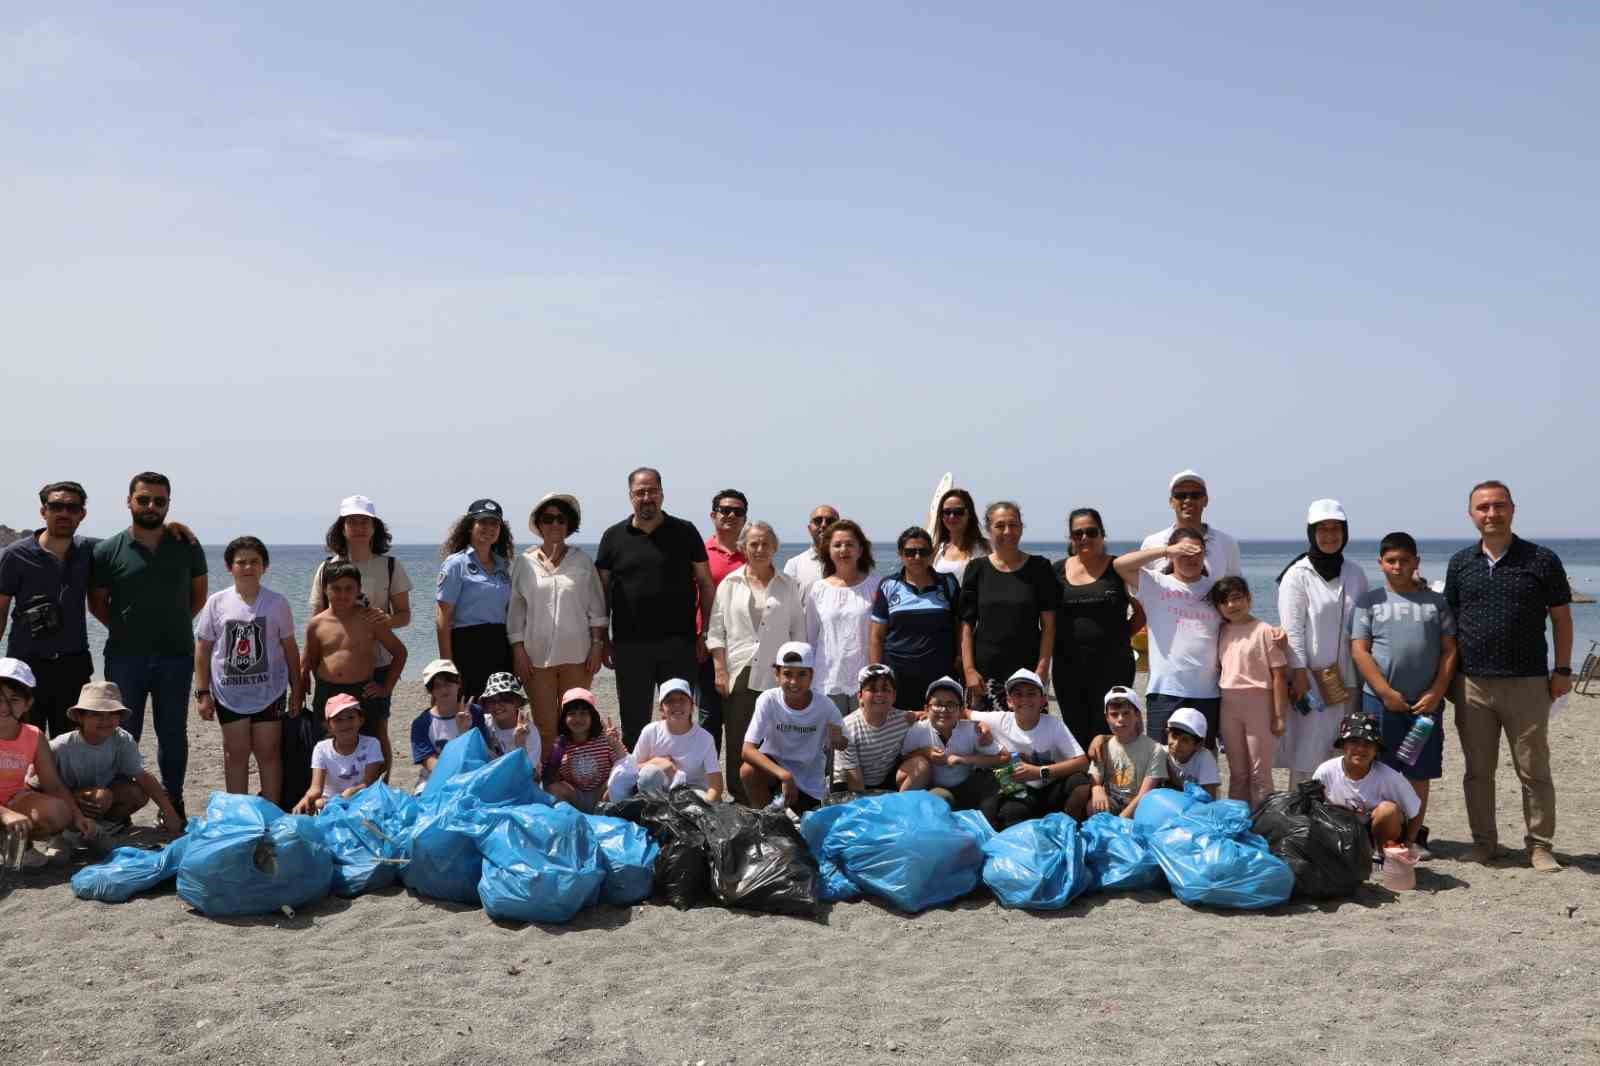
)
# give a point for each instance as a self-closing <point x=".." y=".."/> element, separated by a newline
<point x="1416" y="739"/>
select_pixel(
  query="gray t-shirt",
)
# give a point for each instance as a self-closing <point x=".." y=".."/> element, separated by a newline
<point x="1405" y="629"/>
<point x="84" y="765"/>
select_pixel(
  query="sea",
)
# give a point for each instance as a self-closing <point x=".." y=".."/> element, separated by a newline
<point x="292" y="566"/>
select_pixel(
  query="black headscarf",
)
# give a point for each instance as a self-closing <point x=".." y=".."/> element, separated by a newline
<point x="1328" y="565"/>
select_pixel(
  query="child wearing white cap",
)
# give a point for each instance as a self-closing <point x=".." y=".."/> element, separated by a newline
<point x="446" y="717"/>
<point x="672" y="751"/>
<point x="1187" y="756"/>
<point x="29" y="813"/>
<point x="785" y="746"/>
<point x="874" y="733"/>
<point x="1049" y="763"/>
<point x="1125" y="766"/>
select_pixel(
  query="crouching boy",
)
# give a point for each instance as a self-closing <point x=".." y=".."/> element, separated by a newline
<point x="100" y="764"/>
<point x="1377" y="793"/>
<point x="785" y="746"/>
<point x="1124" y="766"/>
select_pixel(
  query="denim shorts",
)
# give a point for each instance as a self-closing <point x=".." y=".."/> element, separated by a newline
<point x="1430" y="764"/>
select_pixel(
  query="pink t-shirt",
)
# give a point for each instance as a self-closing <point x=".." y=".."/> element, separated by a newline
<point x="16" y="755"/>
<point x="722" y="563"/>
<point x="1249" y="651"/>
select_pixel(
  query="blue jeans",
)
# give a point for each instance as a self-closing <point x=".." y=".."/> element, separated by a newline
<point x="164" y="680"/>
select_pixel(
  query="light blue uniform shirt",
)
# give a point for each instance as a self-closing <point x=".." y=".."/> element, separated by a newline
<point x="479" y="597"/>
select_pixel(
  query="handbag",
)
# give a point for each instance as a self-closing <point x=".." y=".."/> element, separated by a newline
<point x="1330" y="685"/>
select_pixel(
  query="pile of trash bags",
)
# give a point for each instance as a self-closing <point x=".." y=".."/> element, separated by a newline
<point x="1325" y="846"/>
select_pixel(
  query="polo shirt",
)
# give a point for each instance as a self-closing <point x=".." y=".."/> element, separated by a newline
<point x="921" y="640"/>
<point x="723" y="562"/>
<point x="1501" y="609"/>
<point x="478" y="597"/>
<point x="149" y="593"/>
<point x="650" y="578"/>
<point x="28" y="570"/>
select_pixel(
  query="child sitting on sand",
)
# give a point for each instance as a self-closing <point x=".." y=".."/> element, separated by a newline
<point x="100" y="764"/>
<point x="34" y="813"/>
<point x="874" y="733"/>
<point x="1124" y="766"/>
<point x="1377" y="793"/>
<point x="585" y="750"/>
<point x="340" y="641"/>
<point x="958" y="754"/>
<point x="505" y="727"/>
<point x="1187" y="757"/>
<point x="784" y="746"/>
<point x="346" y="762"/>
<point x="445" y="718"/>
<point x="672" y="751"/>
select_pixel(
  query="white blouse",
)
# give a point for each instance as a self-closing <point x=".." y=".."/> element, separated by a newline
<point x="553" y="609"/>
<point x="837" y="625"/>
<point x="747" y="642"/>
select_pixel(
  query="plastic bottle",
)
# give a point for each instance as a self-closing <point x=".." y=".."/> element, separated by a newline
<point x="1416" y="739"/>
<point x="1009" y="785"/>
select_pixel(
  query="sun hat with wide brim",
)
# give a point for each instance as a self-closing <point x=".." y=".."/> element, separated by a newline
<point x="100" y="696"/>
<point x="563" y="497"/>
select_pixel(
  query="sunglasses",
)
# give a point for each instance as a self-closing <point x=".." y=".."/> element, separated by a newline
<point x="821" y="521"/>
<point x="916" y="553"/>
<point x="63" y="506"/>
<point x="1184" y="497"/>
<point x="1087" y="533"/>
<point x="553" y="518"/>
<point x="151" y="501"/>
<point x="954" y="512"/>
<point x="731" y="512"/>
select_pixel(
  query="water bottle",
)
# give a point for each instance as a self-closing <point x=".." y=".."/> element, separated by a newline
<point x="1009" y="786"/>
<point x="1416" y="738"/>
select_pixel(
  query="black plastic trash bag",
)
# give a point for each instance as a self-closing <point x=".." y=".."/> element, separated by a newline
<point x="681" y="875"/>
<point x="758" y="860"/>
<point x="1325" y="846"/>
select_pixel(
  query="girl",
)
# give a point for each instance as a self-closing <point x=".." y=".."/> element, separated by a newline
<point x="583" y="754"/>
<point x="1254" y="677"/>
<point x="346" y="762"/>
<point x="32" y="814"/>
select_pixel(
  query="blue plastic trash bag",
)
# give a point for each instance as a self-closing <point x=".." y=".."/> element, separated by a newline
<point x="445" y="863"/>
<point x="128" y="871"/>
<point x="629" y="856"/>
<point x="248" y="857"/>
<point x="907" y="848"/>
<point x="1207" y="859"/>
<point x="1162" y="806"/>
<point x="540" y="864"/>
<point x="832" y="884"/>
<point x="975" y="823"/>
<point x="370" y="837"/>
<point x="1037" y="864"/>
<point x="462" y="755"/>
<point x="1118" y="855"/>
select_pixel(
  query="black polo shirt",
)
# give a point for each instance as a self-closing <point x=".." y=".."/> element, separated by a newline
<point x="652" y="586"/>
<point x="1501" y="610"/>
<point x="28" y="570"/>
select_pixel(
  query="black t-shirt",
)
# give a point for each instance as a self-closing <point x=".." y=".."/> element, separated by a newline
<point x="29" y="571"/>
<point x="1093" y="618"/>
<point x="652" y="586"/>
<point x="1004" y="610"/>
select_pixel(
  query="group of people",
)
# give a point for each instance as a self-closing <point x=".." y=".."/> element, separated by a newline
<point x="759" y="684"/>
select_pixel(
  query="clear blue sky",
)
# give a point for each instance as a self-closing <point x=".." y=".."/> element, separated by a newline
<point x="825" y="251"/>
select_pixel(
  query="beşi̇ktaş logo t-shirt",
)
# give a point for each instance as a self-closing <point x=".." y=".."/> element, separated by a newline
<point x="794" y="739"/>
<point x="248" y="670"/>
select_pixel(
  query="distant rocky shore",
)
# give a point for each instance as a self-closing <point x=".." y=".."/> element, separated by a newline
<point x="7" y="535"/>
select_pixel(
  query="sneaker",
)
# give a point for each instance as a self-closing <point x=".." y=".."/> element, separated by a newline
<point x="33" y="858"/>
<point x="1543" y="860"/>
<point x="63" y="845"/>
<point x="1482" y="853"/>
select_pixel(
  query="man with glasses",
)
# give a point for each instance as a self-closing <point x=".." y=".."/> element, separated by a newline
<point x="805" y="569"/>
<point x="729" y="511"/>
<point x="654" y="571"/>
<point x="147" y="588"/>
<point x="1187" y="491"/>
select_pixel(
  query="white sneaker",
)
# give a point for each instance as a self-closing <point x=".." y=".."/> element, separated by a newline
<point x="33" y="858"/>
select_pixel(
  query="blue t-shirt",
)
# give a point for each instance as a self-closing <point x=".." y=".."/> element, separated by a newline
<point x="479" y="596"/>
<point x="1406" y="631"/>
<point x="27" y="572"/>
<point x="921" y="641"/>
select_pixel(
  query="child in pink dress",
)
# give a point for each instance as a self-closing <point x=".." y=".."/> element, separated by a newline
<point x="1255" y="690"/>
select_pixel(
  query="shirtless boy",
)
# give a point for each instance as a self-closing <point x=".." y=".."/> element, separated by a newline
<point x="339" y="648"/>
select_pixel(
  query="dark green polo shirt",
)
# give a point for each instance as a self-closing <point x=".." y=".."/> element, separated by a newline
<point x="149" y="593"/>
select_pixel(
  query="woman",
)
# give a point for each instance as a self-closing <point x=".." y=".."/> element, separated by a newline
<point x="914" y="623"/>
<point x="1008" y="611"/>
<point x="837" y="611"/>
<point x="474" y="596"/>
<point x="958" y="540"/>
<point x="1184" y="668"/>
<point x="359" y="536"/>
<point x="1317" y="594"/>
<point x="1093" y="628"/>
<point x="757" y="610"/>
<point x="556" y="618"/>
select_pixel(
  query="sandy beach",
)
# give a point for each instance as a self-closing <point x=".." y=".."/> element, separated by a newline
<point x="1481" y="964"/>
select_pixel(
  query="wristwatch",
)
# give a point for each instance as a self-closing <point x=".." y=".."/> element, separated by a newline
<point x="1044" y="773"/>
<point x="1564" y="671"/>
<point x="201" y="693"/>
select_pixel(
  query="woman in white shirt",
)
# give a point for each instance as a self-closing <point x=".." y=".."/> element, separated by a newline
<point x="1317" y="596"/>
<point x="757" y="611"/>
<point x="839" y="611"/>
<point x="556" y="620"/>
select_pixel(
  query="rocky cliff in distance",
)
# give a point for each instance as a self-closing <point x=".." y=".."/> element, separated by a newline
<point x="7" y="535"/>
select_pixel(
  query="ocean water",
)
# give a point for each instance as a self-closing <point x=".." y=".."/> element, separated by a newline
<point x="292" y="566"/>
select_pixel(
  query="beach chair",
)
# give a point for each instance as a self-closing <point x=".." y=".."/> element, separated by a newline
<point x="1591" y="669"/>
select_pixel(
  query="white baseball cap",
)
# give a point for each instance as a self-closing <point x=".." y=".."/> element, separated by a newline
<point x="18" y="671"/>
<point x="1325" y="511"/>
<point x="1188" y="720"/>
<point x="1185" y="475"/>
<point x="1123" y="692"/>
<point x="352" y="505"/>
<point x="437" y="667"/>
<point x="947" y="682"/>
<point x="1024" y="676"/>
<point x="873" y="671"/>
<point x="667" y="688"/>
<point x="795" y="653"/>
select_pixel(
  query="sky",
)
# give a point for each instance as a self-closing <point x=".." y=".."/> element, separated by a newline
<point x="821" y="252"/>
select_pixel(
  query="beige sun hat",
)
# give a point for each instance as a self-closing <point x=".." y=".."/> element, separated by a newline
<point x="102" y="696"/>
<point x="565" y="497"/>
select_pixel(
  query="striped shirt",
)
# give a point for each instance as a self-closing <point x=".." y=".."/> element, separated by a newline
<point x="874" y="750"/>
<point x="583" y="766"/>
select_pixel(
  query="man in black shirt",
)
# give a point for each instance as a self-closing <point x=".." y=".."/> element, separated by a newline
<point x="1501" y="590"/>
<point x="654" y="570"/>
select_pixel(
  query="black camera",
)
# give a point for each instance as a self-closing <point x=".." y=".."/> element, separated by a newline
<point x="43" y="616"/>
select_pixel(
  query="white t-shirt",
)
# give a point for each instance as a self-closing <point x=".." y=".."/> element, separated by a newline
<point x="804" y="569"/>
<point x="1047" y="742"/>
<point x="1383" y="782"/>
<point x="963" y="741"/>
<point x="694" y="753"/>
<point x="838" y="622"/>
<point x="504" y="741"/>
<point x="1201" y="768"/>
<point x="795" y="740"/>
<point x="1183" y="635"/>
<point x="345" y="771"/>
<point x="248" y="670"/>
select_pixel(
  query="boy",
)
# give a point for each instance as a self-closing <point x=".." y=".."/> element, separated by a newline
<point x="1187" y="757"/>
<point x="444" y="719"/>
<point x="1377" y="793"/>
<point x="505" y="727"/>
<point x="340" y="653"/>
<point x="346" y="762"/>
<point x="785" y="745"/>
<point x="952" y="748"/>
<point x="875" y="732"/>
<point x="100" y="764"/>
<point x="1404" y="643"/>
<point x="29" y="812"/>
<point x="1127" y="765"/>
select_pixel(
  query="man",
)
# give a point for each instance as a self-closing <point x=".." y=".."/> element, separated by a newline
<point x="44" y="582"/>
<point x="147" y="589"/>
<point x="729" y="509"/>
<point x="1501" y="590"/>
<point x="1187" y="495"/>
<point x="805" y="569"/>
<point x="653" y="569"/>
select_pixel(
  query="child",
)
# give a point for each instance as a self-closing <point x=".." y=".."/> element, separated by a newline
<point x="951" y="747"/>
<point x="444" y="719"/>
<point x="875" y="733"/>
<point x="673" y="751"/>
<point x="346" y="762"/>
<point x="32" y="813"/>
<point x="1404" y="643"/>
<point x="340" y="653"/>
<point x="100" y="764"/>
<point x="1047" y="760"/>
<point x="585" y="750"/>
<point x="1187" y="757"/>
<point x="505" y="727"/>
<point x="784" y="748"/>
<point x="1377" y="793"/>
<point x="245" y="647"/>
<point x="1254" y="662"/>
<point x="1126" y="766"/>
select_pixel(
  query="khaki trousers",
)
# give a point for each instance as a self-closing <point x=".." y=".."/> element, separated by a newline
<point x="1520" y="708"/>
